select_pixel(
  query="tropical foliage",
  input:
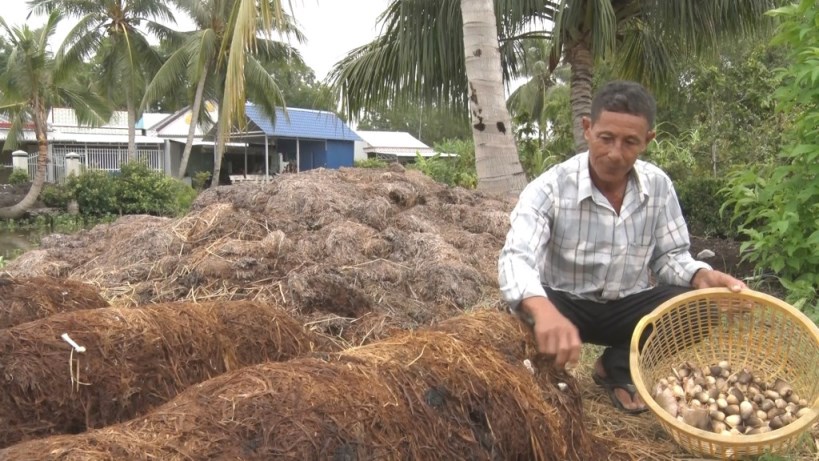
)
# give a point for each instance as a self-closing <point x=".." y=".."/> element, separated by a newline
<point x="30" y="86"/>
<point x="418" y="56"/>
<point x="200" y="63"/>
<point x="115" y="32"/>
<point x="778" y="202"/>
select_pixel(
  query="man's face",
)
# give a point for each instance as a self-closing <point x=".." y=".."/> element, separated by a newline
<point x="615" y="141"/>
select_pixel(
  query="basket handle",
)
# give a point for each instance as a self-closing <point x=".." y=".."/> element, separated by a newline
<point x="646" y="322"/>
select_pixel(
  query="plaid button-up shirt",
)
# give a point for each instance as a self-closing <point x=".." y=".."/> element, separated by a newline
<point x="566" y="235"/>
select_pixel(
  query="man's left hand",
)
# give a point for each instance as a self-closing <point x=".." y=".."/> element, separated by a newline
<point x="709" y="278"/>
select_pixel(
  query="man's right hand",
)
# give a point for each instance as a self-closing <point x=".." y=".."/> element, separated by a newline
<point x="555" y="335"/>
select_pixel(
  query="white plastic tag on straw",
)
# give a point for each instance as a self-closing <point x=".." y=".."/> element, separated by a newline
<point x="76" y="346"/>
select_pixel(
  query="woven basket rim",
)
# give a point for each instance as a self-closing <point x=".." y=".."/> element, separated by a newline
<point x="732" y="441"/>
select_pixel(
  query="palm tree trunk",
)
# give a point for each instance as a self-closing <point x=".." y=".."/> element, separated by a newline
<point x="131" y="127"/>
<point x="496" y="156"/>
<point x="20" y="208"/>
<point x="579" y="57"/>
<point x="197" y="105"/>
<point x="218" y="152"/>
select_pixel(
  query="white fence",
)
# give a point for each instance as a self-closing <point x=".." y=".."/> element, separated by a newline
<point x="102" y="158"/>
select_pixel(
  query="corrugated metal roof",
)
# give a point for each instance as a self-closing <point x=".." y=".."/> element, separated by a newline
<point x="301" y="123"/>
<point x="85" y="138"/>
<point x="65" y="117"/>
<point x="392" y="140"/>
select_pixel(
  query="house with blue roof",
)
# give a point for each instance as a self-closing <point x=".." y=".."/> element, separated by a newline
<point x="294" y="140"/>
<point x="302" y="139"/>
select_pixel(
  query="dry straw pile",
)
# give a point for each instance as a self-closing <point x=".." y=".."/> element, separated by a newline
<point x="135" y="359"/>
<point x="459" y="391"/>
<point x="335" y="246"/>
<point x="26" y="299"/>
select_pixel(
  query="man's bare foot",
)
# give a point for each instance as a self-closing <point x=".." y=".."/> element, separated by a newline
<point x="625" y="393"/>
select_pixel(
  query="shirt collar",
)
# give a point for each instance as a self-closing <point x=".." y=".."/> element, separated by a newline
<point x="584" y="182"/>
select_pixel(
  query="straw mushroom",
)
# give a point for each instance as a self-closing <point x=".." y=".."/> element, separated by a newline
<point x="712" y="397"/>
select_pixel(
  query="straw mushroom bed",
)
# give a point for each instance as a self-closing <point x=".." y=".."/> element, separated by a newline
<point x="432" y="395"/>
<point x="333" y="245"/>
<point x="359" y="253"/>
<point x="23" y="299"/>
<point x="134" y="359"/>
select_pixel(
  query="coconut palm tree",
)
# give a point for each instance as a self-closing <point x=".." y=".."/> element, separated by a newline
<point x="116" y="31"/>
<point x="421" y="56"/>
<point x="418" y="56"/>
<point x="247" y="19"/>
<point x="200" y="63"/>
<point x="30" y="88"/>
<point x="645" y="39"/>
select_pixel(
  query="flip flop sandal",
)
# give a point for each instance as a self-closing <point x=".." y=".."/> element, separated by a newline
<point x="610" y="386"/>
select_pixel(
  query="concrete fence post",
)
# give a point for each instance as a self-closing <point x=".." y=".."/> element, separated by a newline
<point x="19" y="160"/>
<point x="72" y="164"/>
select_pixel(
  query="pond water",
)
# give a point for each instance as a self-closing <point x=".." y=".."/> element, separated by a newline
<point x="15" y="242"/>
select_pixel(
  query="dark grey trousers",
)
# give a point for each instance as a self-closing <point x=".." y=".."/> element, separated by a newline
<point x="612" y="323"/>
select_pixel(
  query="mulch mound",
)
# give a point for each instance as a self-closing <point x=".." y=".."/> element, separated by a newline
<point x="23" y="299"/>
<point x="333" y="245"/>
<point x="460" y="391"/>
<point x="136" y="359"/>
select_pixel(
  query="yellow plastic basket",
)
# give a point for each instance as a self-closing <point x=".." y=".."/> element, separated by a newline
<point x="748" y="329"/>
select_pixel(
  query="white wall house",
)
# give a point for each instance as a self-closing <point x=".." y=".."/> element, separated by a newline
<point x="100" y="148"/>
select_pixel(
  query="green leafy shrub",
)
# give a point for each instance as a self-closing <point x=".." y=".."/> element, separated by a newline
<point x="18" y="176"/>
<point x="454" y="171"/>
<point x="95" y="192"/>
<point x="200" y="179"/>
<point x="777" y="205"/>
<point x="184" y="196"/>
<point x="56" y="195"/>
<point x="371" y="163"/>
<point x="673" y="153"/>
<point x="701" y="199"/>
<point x="141" y="190"/>
<point x="136" y="189"/>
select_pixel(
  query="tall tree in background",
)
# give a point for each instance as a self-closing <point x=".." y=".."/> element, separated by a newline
<point x="247" y="19"/>
<point x="111" y="30"/>
<point x="201" y="64"/>
<point x="30" y="88"/>
<point x="420" y="58"/>
<point x="543" y="102"/>
<point x="645" y="40"/>
<point x="496" y="156"/>
<point x="5" y="51"/>
<point x="299" y="85"/>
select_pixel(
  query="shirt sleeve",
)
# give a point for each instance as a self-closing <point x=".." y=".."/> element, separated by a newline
<point x="672" y="261"/>
<point x="518" y="264"/>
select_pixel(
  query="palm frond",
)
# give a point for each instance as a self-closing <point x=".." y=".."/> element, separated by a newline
<point x="19" y="118"/>
<point x="273" y="51"/>
<point x="169" y="77"/>
<point x="81" y="42"/>
<point x="200" y="11"/>
<point x="48" y="29"/>
<point x="644" y="56"/>
<point x="700" y="26"/>
<point x="205" y="48"/>
<point x="262" y="88"/>
<point x="90" y="109"/>
<point x="148" y="10"/>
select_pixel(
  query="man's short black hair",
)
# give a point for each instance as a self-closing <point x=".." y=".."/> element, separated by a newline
<point x="624" y="97"/>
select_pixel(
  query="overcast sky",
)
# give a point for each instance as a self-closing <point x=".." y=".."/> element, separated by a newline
<point x="332" y="27"/>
